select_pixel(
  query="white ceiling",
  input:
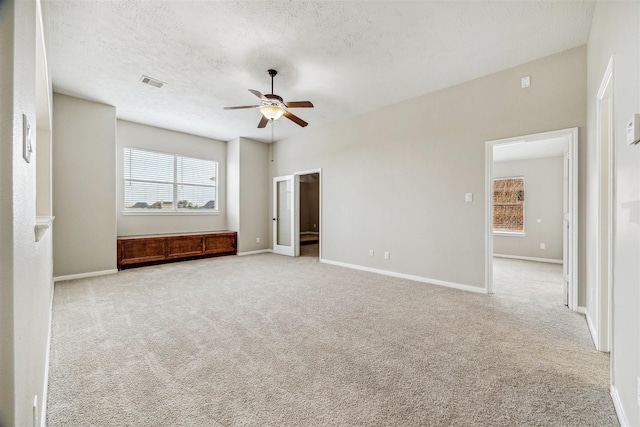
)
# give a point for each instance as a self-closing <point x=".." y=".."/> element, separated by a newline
<point x="524" y="150"/>
<point x="347" y="57"/>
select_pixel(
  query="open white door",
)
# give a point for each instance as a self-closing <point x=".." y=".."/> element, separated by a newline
<point x="285" y="198"/>
<point x="566" y="224"/>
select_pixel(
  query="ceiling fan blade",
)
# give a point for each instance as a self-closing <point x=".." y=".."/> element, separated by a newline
<point x="263" y="122"/>
<point x="295" y="119"/>
<point x="240" y="107"/>
<point x="299" y="104"/>
<point x="258" y="94"/>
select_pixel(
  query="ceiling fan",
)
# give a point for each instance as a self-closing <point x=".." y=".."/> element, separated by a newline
<point x="273" y="106"/>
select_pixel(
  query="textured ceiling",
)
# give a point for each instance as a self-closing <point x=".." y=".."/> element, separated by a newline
<point x="347" y="57"/>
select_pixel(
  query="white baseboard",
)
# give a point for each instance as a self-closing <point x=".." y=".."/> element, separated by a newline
<point x="45" y="390"/>
<point x="617" y="403"/>
<point x="592" y="328"/>
<point x="310" y="232"/>
<point x="453" y="285"/>
<point x="582" y="310"/>
<point x="527" y="258"/>
<point x="84" y="275"/>
<point x="261" y="251"/>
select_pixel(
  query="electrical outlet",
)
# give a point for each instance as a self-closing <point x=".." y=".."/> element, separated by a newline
<point x="370" y="252"/>
<point x="257" y="240"/>
<point x="314" y="226"/>
<point x="543" y="246"/>
<point x="386" y="255"/>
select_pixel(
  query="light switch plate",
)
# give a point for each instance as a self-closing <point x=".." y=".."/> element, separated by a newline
<point x="468" y="197"/>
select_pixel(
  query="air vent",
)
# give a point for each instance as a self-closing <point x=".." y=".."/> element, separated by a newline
<point x="153" y="82"/>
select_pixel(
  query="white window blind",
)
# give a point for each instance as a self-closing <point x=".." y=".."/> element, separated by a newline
<point x="158" y="182"/>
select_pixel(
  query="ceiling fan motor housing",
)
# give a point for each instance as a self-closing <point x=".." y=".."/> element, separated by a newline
<point x="273" y="99"/>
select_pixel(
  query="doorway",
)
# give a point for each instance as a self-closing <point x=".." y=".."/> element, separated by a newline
<point x="564" y="145"/>
<point x="309" y="215"/>
<point x="297" y="214"/>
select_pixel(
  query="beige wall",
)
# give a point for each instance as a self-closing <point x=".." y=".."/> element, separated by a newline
<point x="394" y="179"/>
<point x="616" y="30"/>
<point x="248" y="187"/>
<point x="233" y="185"/>
<point x="309" y="203"/>
<point x="84" y="186"/>
<point x="136" y="135"/>
<point x="543" y="180"/>
<point x="255" y="219"/>
<point x="26" y="285"/>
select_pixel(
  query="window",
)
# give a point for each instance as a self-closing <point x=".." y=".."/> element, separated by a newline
<point x="161" y="182"/>
<point x="508" y="205"/>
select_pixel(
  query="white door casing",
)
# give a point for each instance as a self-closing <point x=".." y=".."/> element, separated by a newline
<point x="570" y="205"/>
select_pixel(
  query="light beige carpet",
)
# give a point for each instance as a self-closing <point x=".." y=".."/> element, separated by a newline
<point x="269" y="340"/>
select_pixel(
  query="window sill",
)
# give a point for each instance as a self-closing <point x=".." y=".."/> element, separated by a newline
<point x="510" y="233"/>
<point x="42" y="225"/>
<point x="170" y="213"/>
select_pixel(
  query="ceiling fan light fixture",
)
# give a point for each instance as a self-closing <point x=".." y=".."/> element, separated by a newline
<point x="272" y="111"/>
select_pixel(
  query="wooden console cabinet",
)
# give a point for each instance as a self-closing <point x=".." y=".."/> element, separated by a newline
<point x="156" y="249"/>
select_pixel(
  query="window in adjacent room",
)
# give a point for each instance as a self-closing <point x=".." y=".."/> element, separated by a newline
<point x="508" y="205"/>
<point x="161" y="182"/>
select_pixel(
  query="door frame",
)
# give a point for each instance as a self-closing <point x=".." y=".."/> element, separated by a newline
<point x="604" y="236"/>
<point x="572" y="217"/>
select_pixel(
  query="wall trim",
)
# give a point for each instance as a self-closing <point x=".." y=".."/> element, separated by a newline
<point x="84" y="275"/>
<point x="592" y="329"/>
<point x="261" y="251"/>
<point x="421" y="279"/>
<point x="527" y="258"/>
<point x="617" y="403"/>
<point x="47" y="361"/>
<point x="582" y="310"/>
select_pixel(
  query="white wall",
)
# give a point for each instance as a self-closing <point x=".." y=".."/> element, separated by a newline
<point x="136" y="135"/>
<point x="248" y="193"/>
<point x="543" y="181"/>
<point x="26" y="285"/>
<point x="615" y="29"/>
<point x="394" y="179"/>
<point x="84" y="186"/>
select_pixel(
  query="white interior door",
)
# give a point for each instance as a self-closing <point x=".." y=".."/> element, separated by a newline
<point x="567" y="247"/>
<point x="285" y="198"/>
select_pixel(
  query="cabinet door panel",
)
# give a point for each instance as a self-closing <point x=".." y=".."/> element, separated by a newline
<point x="142" y="251"/>
<point x="224" y="243"/>
<point x="185" y="246"/>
